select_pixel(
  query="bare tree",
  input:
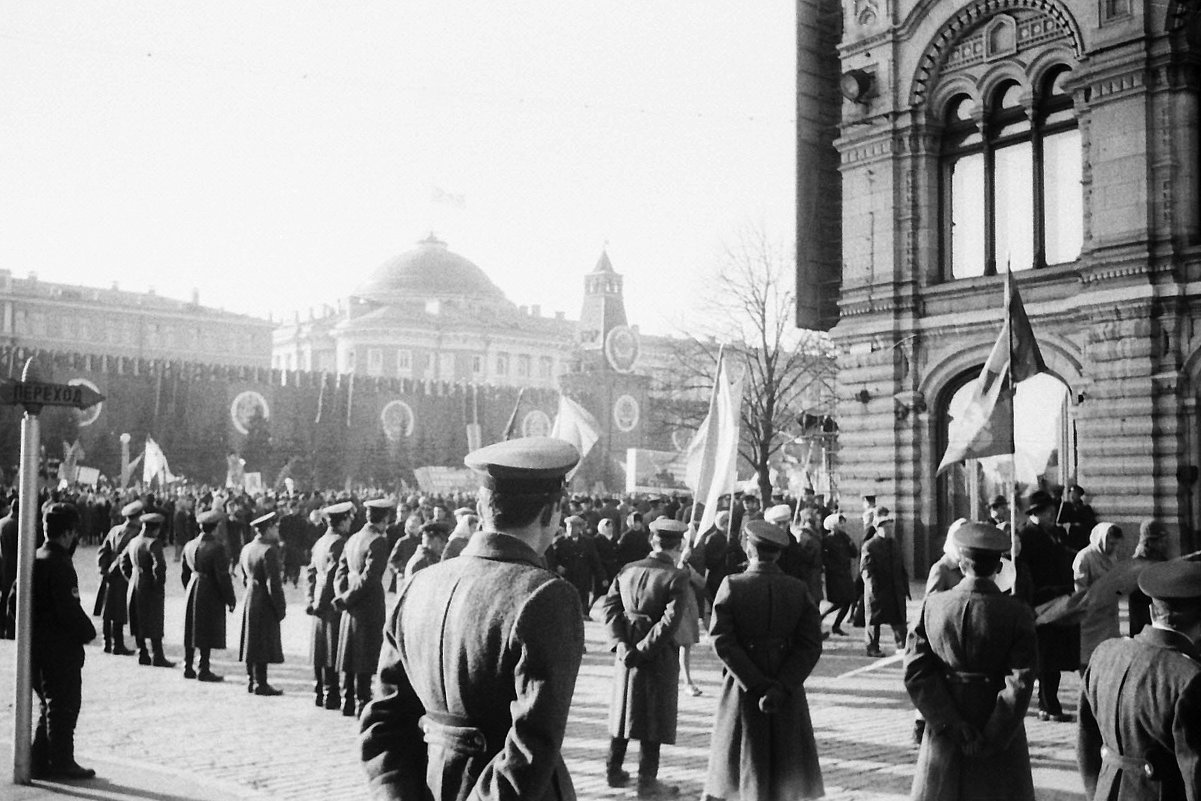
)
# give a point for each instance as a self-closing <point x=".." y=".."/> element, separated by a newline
<point x="786" y="371"/>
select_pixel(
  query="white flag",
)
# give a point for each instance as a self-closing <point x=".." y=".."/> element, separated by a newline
<point x="712" y="461"/>
<point x="576" y="425"/>
<point x="154" y="464"/>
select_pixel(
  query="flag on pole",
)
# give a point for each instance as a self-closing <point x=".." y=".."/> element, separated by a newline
<point x="985" y="426"/>
<point x="511" y="426"/>
<point x="712" y="455"/>
<point x="576" y="425"/>
<point x="154" y="464"/>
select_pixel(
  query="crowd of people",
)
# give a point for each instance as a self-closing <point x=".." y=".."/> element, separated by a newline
<point x="500" y="584"/>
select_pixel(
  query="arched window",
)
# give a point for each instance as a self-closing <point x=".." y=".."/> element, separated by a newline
<point x="1011" y="182"/>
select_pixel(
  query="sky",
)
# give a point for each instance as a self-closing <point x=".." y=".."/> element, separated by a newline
<point x="272" y="154"/>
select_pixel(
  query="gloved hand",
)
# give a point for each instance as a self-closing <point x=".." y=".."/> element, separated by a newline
<point x="628" y="656"/>
<point x="340" y="604"/>
<point x="772" y="700"/>
<point x="971" y="742"/>
<point x="309" y="610"/>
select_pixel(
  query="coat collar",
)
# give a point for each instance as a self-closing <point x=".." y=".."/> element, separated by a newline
<point x="1172" y="640"/>
<point x="502" y="548"/>
<point x="763" y="567"/>
<point x="977" y="584"/>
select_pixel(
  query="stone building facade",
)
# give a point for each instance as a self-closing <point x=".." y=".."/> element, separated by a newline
<point x="1060" y="138"/>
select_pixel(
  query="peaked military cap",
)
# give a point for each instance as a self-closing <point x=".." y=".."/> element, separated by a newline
<point x="1178" y="578"/>
<point x="264" y="521"/>
<point x="342" y="508"/>
<point x="211" y="517"/>
<point x="779" y="514"/>
<point x="981" y="537"/>
<point x="762" y="532"/>
<point x="529" y="465"/>
<point x="464" y="510"/>
<point x="132" y="509"/>
<point x="379" y="503"/>
<point x="153" y="519"/>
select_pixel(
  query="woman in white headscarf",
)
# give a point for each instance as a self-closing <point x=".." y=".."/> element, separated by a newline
<point x="1100" y="620"/>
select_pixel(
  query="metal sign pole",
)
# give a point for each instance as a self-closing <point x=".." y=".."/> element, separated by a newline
<point x="26" y="545"/>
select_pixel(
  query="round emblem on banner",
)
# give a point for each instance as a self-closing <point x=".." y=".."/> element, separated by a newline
<point x="535" y="424"/>
<point x="681" y="438"/>
<point x="625" y="413"/>
<point x="397" y="420"/>
<point x="242" y="410"/>
<point x="621" y="348"/>
<point x="85" y="417"/>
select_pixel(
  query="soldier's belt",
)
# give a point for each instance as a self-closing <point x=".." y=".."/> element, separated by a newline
<point x="452" y="733"/>
<point x="1142" y="766"/>
<point x="767" y="644"/>
<point x="968" y="677"/>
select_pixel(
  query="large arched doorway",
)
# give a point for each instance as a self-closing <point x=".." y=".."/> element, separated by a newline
<point x="1046" y="449"/>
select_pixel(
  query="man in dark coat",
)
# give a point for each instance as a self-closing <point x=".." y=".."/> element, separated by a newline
<point x="111" y="601"/>
<point x="767" y="632"/>
<point x="486" y="720"/>
<point x="208" y="593"/>
<point x="606" y="543"/>
<point x="60" y="629"/>
<point x="359" y="593"/>
<point x="970" y="670"/>
<point x="403" y="547"/>
<point x="145" y="568"/>
<point x="838" y="549"/>
<point x="1140" y="703"/>
<point x="327" y="619"/>
<point x="642" y="610"/>
<point x="263" y="605"/>
<point x="578" y="561"/>
<point x="635" y="542"/>
<point x="1047" y="560"/>
<point x="885" y="585"/>
<point x="292" y="541"/>
<point x="8" y="564"/>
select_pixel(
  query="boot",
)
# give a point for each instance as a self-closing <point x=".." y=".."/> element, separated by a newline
<point x="653" y="788"/>
<point x="249" y="678"/>
<point x="160" y="659"/>
<point x="206" y="673"/>
<point x="332" y="701"/>
<point x="143" y="654"/>
<point x="649" y="785"/>
<point x="260" y="679"/>
<point x="188" y="673"/>
<point x="348" y="694"/>
<point x="614" y="774"/>
<point x="319" y="689"/>
<point x="119" y="648"/>
<point x="108" y="636"/>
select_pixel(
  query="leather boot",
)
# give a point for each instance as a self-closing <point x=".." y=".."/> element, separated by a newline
<point x="143" y="654"/>
<point x="260" y="679"/>
<point x="119" y="648"/>
<point x="160" y="659"/>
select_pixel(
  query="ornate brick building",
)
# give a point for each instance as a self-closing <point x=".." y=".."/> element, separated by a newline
<point x="1059" y="137"/>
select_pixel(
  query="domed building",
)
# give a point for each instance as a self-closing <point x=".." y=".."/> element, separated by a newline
<point x="430" y="314"/>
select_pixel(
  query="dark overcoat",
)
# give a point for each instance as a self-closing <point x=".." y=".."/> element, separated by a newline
<point x="1046" y="559"/>
<point x="971" y="659"/>
<point x="1141" y="702"/>
<point x="509" y="638"/>
<point x="766" y="631"/>
<point x="643" y="609"/>
<point x="580" y="563"/>
<point x="209" y="591"/>
<point x="885" y="584"/>
<point x="263" y="603"/>
<point x="60" y="626"/>
<point x="359" y="589"/>
<point x="838" y="549"/>
<point x="327" y="619"/>
<point x="111" y="597"/>
<point x="145" y="567"/>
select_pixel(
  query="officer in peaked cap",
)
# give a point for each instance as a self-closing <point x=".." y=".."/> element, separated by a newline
<point x="145" y="568"/>
<point x="779" y="515"/>
<point x="1146" y="690"/>
<point x="209" y="593"/>
<point x="111" y="603"/>
<point x="359" y="594"/>
<point x="508" y="622"/>
<point x="643" y="610"/>
<point x="319" y="596"/>
<point x="263" y="605"/>
<point x="767" y="632"/>
<point x="970" y="669"/>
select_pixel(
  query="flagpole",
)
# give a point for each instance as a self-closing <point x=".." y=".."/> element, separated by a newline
<point x="1013" y="448"/>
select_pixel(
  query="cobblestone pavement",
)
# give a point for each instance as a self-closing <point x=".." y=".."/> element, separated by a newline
<point x="197" y="740"/>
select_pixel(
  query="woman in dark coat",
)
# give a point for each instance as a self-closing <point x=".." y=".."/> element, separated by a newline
<point x="209" y="591"/>
<point x="263" y="605"/>
<point x="838" y="549"/>
<point x="144" y="565"/>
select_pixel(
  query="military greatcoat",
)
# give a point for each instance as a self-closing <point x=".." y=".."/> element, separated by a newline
<point x="886" y="587"/>
<point x="971" y="659"/>
<point x="111" y="597"/>
<point x="766" y="630"/>
<point x="359" y="589"/>
<point x="327" y="619"/>
<point x="209" y="591"/>
<point x="643" y="609"/>
<point x="1140" y="706"/>
<point x="508" y="638"/>
<point x="143" y="565"/>
<point x="263" y="604"/>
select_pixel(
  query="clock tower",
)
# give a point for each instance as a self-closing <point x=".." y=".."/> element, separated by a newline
<point x="606" y="383"/>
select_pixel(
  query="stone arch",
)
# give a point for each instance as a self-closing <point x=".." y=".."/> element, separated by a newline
<point x="1062" y="358"/>
<point x="930" y="64"/>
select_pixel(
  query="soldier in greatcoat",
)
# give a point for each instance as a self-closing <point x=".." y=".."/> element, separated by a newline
<point x="578" y="560"/>
<point x="969" y="669"/>
<point x="145" y="568"/>
<point x="327" y="620"/>
<point x="263" y="604"/>
<point x="359" y="593"/>
<point x="1140" y="703"/>
<point x="486" y="720"/>
<point x="767" y="632"/>
<point x="885" y="585"/>
<point x="111" y="601"/>
<point x="643" y="610"/>
<point x="208" y="593"/>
